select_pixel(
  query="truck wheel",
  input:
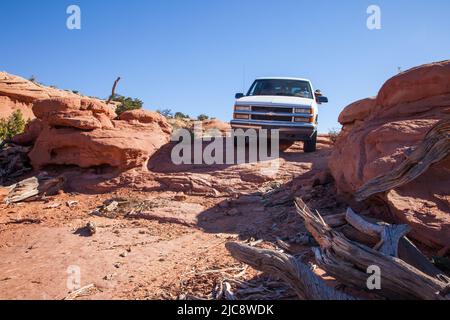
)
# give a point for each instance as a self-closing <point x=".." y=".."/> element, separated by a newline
<point x="310" y="145"/>
<point x="285" y="144"/>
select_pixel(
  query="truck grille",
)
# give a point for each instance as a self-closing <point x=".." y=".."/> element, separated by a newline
<point x="273" y="113"/>
<point x="271" y="118"/>
<point x="272" y="109"/>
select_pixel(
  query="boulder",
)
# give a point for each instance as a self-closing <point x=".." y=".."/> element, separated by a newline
<point x="357" y="111"/>
<point x="379" y="133"/>
<point x="79" y="113"/>
<point x="416" y="84"/>
<point x="147" y="117"/>
<point x="83" y="132"/>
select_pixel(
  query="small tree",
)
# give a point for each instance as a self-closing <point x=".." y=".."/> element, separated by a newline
<point x="126" y="104"/>
<point x="202" y="117"/>
<point x="166" y="113"/>
<point x="181" y="115"/>
<point x="13" y="125"/>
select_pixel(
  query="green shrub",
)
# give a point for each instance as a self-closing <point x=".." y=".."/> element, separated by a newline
<point x="13" y="125"/>
<point x="202" y="117"/>
<point x="181" y="115"/>
<point x="126" y="104"/>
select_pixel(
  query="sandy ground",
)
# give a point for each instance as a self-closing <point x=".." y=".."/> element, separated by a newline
<point x="176" y="252"/>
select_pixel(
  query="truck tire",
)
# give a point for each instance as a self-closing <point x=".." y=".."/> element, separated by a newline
<point x="310" y="145"/>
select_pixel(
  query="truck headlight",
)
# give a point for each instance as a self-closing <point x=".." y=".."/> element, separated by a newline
<point x="303" y="110"/>
<point x="304" y="120"/>
<point x="242" y="116"/>
<point x="242" y="108"/>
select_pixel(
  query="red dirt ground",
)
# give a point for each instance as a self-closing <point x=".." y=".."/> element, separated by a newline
<point x="161" y="256"/>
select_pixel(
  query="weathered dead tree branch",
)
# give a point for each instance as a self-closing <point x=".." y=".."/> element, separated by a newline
<point x="113" y="90"/>
<point x="346" y="260"/>
<point x="391" y="241"/>
<point x="434" y="148"/>
<point x="349" y="261"/>
<point x="297" y="274"/>
<point x="35" y="186"/>
<point x="389" y="235"/>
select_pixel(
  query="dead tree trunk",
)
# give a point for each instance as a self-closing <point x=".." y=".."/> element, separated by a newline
<point x="299" y="275"/>
<point x="113" y="91"/>
<point x="348" y="261"/>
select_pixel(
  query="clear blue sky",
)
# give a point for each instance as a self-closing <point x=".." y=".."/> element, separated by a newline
<point x="190" y="55"/>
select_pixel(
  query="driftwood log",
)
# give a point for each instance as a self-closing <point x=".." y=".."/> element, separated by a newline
<point x="434" y="148"/>
<point x="300" y="276"/>
<point x="343" y="258"/>
<point x="391" y="240"/>
<point x="349" y="262"/>
<point x="35" y="186"/>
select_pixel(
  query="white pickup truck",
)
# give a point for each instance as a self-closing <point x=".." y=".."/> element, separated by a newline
<point x="287" y="104"/>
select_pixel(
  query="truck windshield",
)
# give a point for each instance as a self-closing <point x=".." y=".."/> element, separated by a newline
<point x="280" y="87"/>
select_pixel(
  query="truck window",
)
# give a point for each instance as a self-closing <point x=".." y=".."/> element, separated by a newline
<point x="275" y="87"/>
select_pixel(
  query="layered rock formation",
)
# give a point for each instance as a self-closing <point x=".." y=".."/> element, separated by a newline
<point x="17" y="93"/>
<point x="68" y="129"/>
<point x="379" y="133"/>
<point x="84" y="132"/>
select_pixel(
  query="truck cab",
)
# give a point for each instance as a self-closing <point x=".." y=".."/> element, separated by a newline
<point x="287" y="104"/>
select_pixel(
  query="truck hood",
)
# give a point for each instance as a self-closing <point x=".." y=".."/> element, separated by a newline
<point x="275" y="100"/>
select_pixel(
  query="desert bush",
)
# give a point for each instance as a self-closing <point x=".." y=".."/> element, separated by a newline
<point x="126" y="104"/>
<point x="334" y="133"/>
<point x="13" y="125"/>
<point x="181" y="115"/>
<point x="202" y="117"/>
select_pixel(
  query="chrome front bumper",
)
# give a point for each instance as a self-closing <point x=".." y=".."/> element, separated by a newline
<point x="288" y="131"/>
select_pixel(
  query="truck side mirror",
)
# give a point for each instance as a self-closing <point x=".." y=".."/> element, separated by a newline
<point x="321" y="99"/>
<point x="239" y="95"/>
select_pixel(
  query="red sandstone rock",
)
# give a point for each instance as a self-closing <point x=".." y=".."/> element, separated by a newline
<point x="19" y="93"/>
<point x="80" y="132"/>
<point x="416" y="84"/>
<point x="8" y="106"/>
<point x="376" y="137"/>
<point x="79" y="113"/>
<point x="148" y="117"/>
<point x="357" y="111"/>
<point x="215" y="124"/>
<point x="32" y="131"/>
